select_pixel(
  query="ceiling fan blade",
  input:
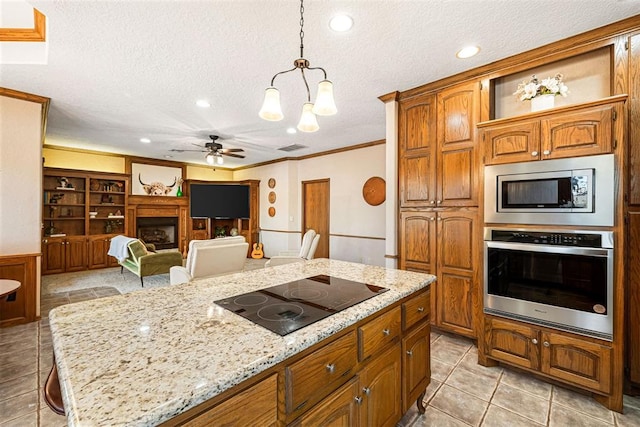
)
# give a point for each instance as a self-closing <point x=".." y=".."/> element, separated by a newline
<point x="233" y="155"/>
<point x="232" y="150"/>
<point x="179" y="150"/>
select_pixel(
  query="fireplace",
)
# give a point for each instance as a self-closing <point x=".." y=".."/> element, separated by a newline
<point x="161" y="231"/>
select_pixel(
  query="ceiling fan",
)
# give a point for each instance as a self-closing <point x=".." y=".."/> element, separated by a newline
<point x="215" y="151"/>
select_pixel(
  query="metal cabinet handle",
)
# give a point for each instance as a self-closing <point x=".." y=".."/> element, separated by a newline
<point x="432" y="201"/>
<point x="420" y="309"/>
<point x="409" y="353"/>
<point x="535" y="341"/>
<point x="432" y="219"/>
<point x="439" y="218"/>
<point x="534" y="153"/>
<point x="45" y="241"/>
<point x="331" y="368"/>
<point x="386" y="332"/>
<point x="366" y="390"/>
<point x="546" y="152"/>
<point x="358" y="400"/>
<point x="438" y="201"/>
<point x="546" y="344"/>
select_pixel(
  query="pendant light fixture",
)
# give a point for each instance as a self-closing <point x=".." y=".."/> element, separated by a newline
<point x="324" y="105"/>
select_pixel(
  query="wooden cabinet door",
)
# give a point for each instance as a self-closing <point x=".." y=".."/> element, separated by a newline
<point x="511" y="143"/>
<point x="53" y="255"/>
<point x="457" y="163"/>
<point x="380" y="390"/>
<point x="417" y="241"/>
<point x="416" y="356"/>
<point x="76" y="253"/>
<point x="340" y="409"/>
<point x="417" y="156"/>
<point x="577" y="361"/>
<point x="512" y="343"/>
<point x="458" y="259"/>
<point x="98" y="247"/>
<point x="581" y="133"/>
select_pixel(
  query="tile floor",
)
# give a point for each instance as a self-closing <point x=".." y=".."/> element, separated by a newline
<point x="462" y="393"/>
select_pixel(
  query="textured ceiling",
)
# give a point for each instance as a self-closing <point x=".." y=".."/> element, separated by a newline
<point x="118" y="71"/>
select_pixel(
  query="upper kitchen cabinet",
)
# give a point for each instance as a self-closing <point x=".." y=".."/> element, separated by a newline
<point x="457" y="166"/>
<point x="438" y="163"/>
<point x="417" y="137"/>
<point x="572" y="131"/>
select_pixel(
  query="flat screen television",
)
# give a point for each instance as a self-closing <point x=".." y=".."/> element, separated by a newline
<point x="219" y="201"/>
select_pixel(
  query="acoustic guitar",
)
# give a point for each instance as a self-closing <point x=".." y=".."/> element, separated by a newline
<point x="257" y="252"/>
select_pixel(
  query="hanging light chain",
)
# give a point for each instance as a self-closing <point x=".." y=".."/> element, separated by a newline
<point x="301" y="29"/>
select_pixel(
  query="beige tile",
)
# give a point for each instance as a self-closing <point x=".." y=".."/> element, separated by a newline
<point x="440" y="370"/>
<point x="409" y="417"/>
<point x="562" y="416"/>
<point x="434" y="336"/>
<point x="470" y="362"/>
<point x="499" y="417"/>
<point x="433" y="417"/>
<point x="28" y="420"/>
<point x="46" y="357"/>
<point x="630" y="418"/>
<point x="10" y="333"/>
<point x="18" y="406"/>
<point x="632" y="401"/>
<point x="456" y="340"/>
<point x="526" y="382"/>
<point x="447" y="351"/>
<point x="472" y="383"/>
<point x="48" y="418"/>
<point x="431" y="390"/>
<point x="581" y="403"/>
<point x="17" y="369"/>
<point x="18" y="385"/>
<point x="30" y="353"/>
<point x="459" y="404"/>
<point x="520" y="402"/>
<point x="24" y="343"/>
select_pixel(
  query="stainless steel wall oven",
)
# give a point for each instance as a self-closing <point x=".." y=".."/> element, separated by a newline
<point x="557" y="278"/>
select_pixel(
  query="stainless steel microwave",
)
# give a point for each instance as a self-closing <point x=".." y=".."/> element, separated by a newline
<point x="572" y="191"/>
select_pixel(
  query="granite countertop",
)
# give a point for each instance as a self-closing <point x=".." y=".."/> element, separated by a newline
<point x="147" y="356"/>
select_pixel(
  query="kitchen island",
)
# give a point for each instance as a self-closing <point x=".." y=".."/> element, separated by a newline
<point x="172" y="355"/>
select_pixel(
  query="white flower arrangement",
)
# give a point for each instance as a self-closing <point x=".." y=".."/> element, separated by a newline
<point x="528" y="90"/>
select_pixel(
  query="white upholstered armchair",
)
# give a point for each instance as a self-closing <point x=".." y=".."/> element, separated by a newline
<point x="307" y="251"/>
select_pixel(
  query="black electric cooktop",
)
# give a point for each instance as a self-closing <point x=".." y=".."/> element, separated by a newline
<point x="294" y="305"/>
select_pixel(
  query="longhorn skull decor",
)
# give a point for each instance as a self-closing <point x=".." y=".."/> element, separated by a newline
<point x="157" y="188"/>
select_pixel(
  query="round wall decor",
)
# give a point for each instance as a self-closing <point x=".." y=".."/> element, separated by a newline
<point x="374" y="191"/>
<point x="272" y="211"/>
<point x="271" y="182"/>
<point x="272" y="197"/>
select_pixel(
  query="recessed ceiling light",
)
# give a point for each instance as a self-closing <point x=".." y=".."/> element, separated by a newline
<point x="203" y="103"/>
<point x="145" y="140"/>
<point x="341" y="23"/>
<point x="467" y="52"/>
<point x="292" y="131"/>
<point x="168" y="157"/>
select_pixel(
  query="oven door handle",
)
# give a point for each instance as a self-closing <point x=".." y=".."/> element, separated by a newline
<point x="597" y="252"/>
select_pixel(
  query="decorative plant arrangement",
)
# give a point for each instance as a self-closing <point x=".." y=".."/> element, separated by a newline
<point x="550" y="86"/>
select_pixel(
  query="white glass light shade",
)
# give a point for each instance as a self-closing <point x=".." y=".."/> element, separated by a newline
<point x="308" y="122"/>
<point x="325" y="105"/>
<point x="271" y="106"/>
<point x="219" y="160"/>
<point x="211" y="158"/>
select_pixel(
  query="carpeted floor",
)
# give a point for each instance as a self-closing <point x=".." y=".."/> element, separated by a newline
<point x="111" y="277"/>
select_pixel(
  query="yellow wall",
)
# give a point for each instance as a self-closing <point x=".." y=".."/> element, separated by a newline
<point x="114" y="163"/>
<point x="68" y="159"/>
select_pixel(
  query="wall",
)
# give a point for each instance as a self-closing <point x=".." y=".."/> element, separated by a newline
<point x="357" y="230"/>
<point x="20" y="176"/>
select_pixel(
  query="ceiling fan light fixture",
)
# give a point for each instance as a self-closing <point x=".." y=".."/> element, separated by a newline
<point x="219" y="159"/>
<point x="211" y="158"/>
<point x="325" y="105"/>
<point x="308" y="121"/>
<point x="271" y="109"/>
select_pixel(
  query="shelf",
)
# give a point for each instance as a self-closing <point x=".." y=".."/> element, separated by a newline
<point x="106" y="192"/>
<point x="64" y="204"/>
<point x="64" y="218"/>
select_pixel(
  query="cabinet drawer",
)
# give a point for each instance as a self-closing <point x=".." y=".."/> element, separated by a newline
<point x="376" y="334"/>
<point x="321" y="372"/>
<point x="264" y="408"/>
<point x="416" y="309"/>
